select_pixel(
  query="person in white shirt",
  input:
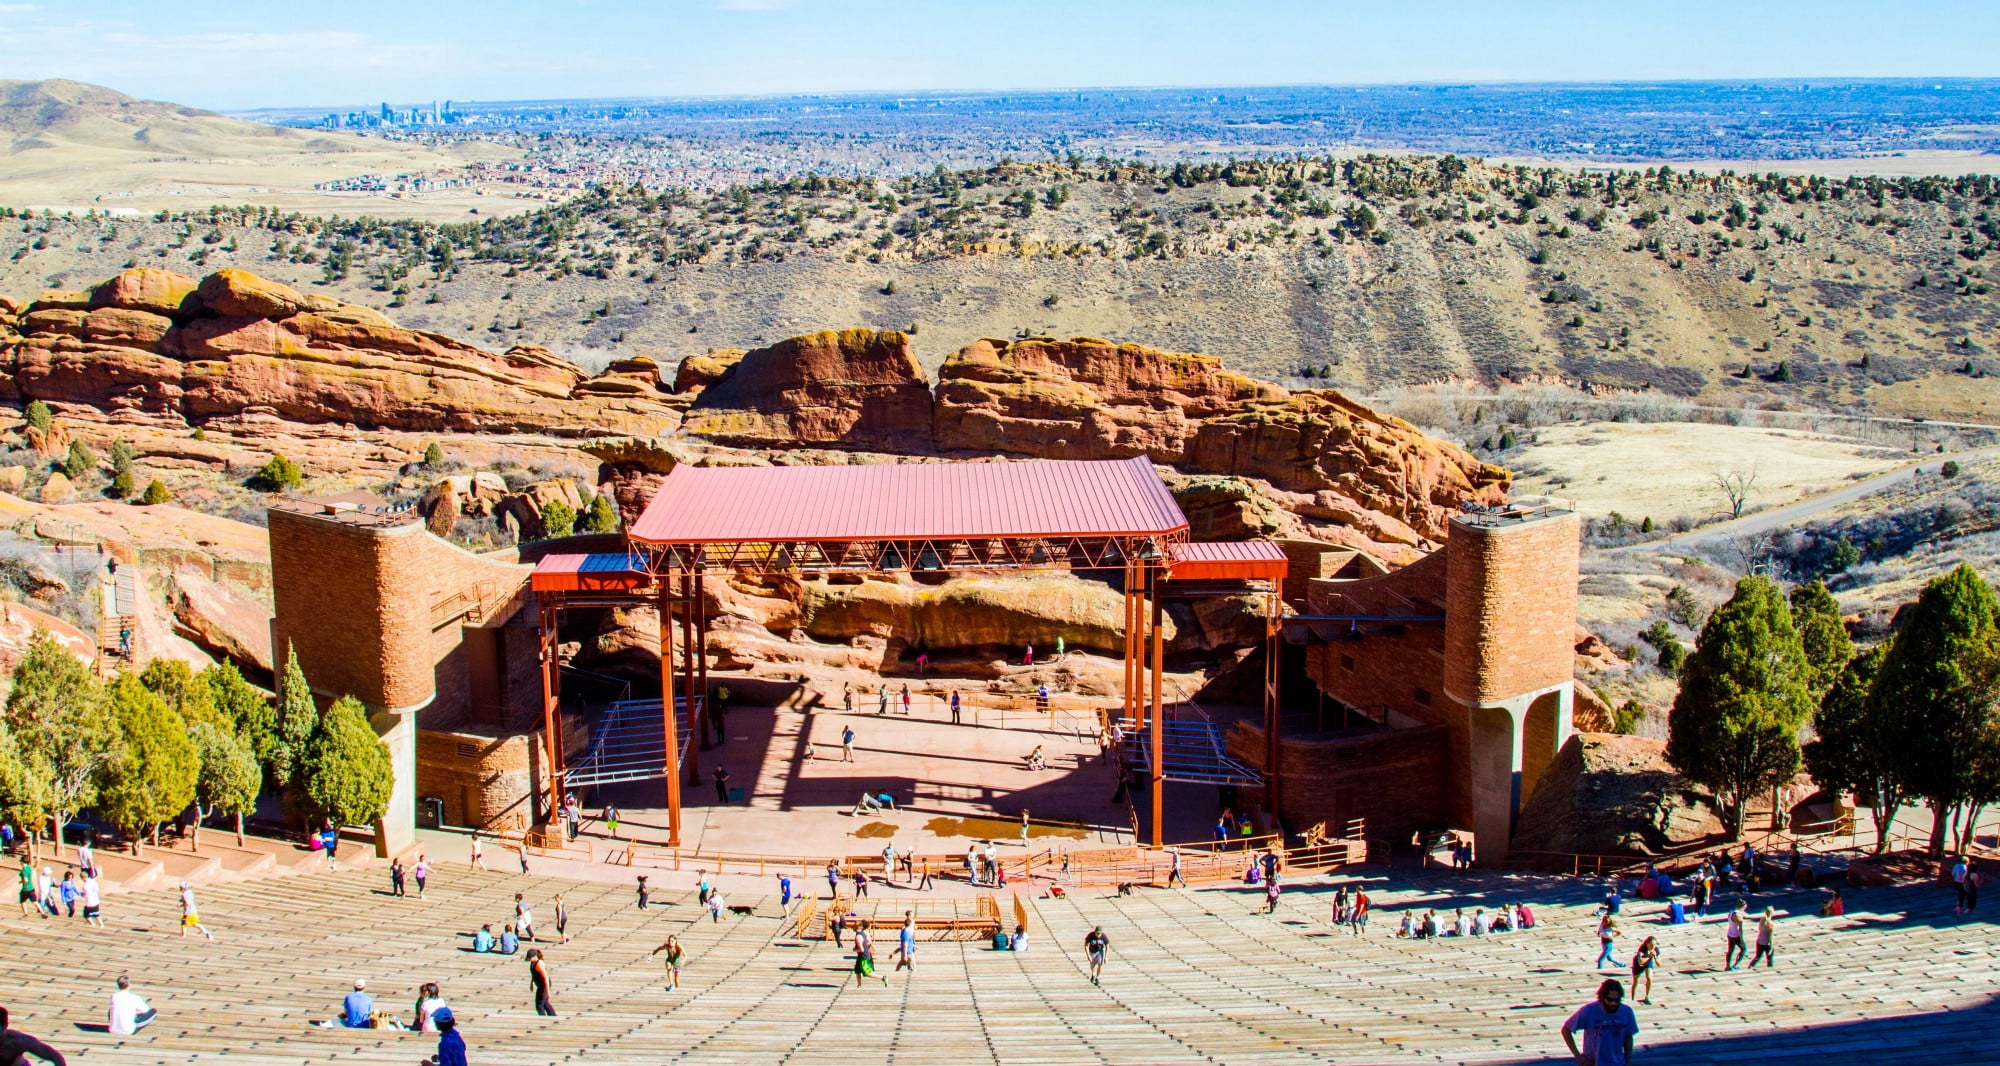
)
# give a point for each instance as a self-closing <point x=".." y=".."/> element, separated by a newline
<point x="129" y="1012"/>
<point x="1463" y="927"/>
<point x="93" y="899"/>
<point x="1480" y="924"/>
<point x="524" y="919"/>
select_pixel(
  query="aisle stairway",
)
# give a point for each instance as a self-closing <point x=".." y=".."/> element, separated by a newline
<point x="1196" y="976"/>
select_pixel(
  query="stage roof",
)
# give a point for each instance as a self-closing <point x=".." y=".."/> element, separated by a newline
<point x="597" y="572"/>
<point x="1248" y="560"/>
<point x="909" y="501"/>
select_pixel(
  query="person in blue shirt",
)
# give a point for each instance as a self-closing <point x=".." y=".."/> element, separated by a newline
<point x="509" y="943"/>
<point x="1608" y="1027"/>
<point x="358" y="1007"/>
<point x="784" y="891"/>
<point x="451" y="1046"/>
<point x="483" y="939"/>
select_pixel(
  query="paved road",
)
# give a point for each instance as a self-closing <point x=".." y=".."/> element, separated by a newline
<point x="1793" y="514"/>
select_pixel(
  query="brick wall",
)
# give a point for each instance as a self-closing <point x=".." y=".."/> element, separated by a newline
<point x="1399" y="781"/>
<point x="485" y="782"/>
<point x="1510" y="620"/>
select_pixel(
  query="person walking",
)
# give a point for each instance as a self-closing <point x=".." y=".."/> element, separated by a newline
<point x="422" y="872"/>
<point x="93" y="899"/>
<point x="1958" y="871"/>
<point x="190" y="915"/>
<point x="1732" y="951"/>
<point x="1643" y="961"/>
<point x="1024" y="826"/>
<point x="645" y="896"/>
<point x="721" y="784"/>
<point x="1095" y="944"/>
<point x="1608" y="1027"/>
<point x="864" y="958"/>
<point x="1357" y="912"/>
<point x="611" y="820"/>
<point x="715" y="906"/>
<point x="1271" y="895"/>
<point x="31" y="895"/>
<point x="954" y="707"/>
<point x="478" y="858"/>
<point x="847" y="696"/>
<point x="1174" y="873"/>
<point x="846" y="743"/>
<point x="784" y="892"/>
<point x="538" y="978"/>
<point x="882" y="700"/>
<point x="1607" y="937"/>
<point x="1766" y="926"/>
<point x="1973" y="880"/>
<point x="832" y="879"/>
<point x="451" y="1046"/>
<point x="906" y="700"/>
<point x="906" y="943"/>
<point x="676" y="955"/>
<point x="524" y="919"/>
<point x="562" y="918"/>
<point x="925" y="884"/>
<point x="396" y="874"/>
<point x="860" y="883"/>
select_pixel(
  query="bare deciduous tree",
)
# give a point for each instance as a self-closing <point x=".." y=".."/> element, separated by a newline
<point x="1735" y="487"/>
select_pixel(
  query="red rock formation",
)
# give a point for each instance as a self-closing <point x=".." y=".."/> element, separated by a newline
<point x="160" y="342"/>
<point x="855" y="388"/>
<point x="1088" y="399"/>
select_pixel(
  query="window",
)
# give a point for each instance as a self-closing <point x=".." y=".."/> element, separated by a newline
<point x="1424" y="696"/>
<point x="1347" y="662"/>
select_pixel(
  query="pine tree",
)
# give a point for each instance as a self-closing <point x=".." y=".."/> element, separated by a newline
<point x="558" y="519"/>
<point x="1743" y="695"/>
<point x="1828" y="648"/>
<point x="154" y="779"/>
<point x="40" y="417"/>
<point x="601" y="517"/>
<point x="123" y="485"/>
<point x="79" y="461"/>
<point x="1941" y="674"/>
<point x="156" y="493"/>
<point x="346" y="769"/>
<point x="229" y="777"/>
<point x="173" y="681"/>
<point x="62" y="729"/>
<point x="433" y="456"/>
<point x="241" y="708"/>
<point x="297" y="719"/>
<point x="1857" y="749"/>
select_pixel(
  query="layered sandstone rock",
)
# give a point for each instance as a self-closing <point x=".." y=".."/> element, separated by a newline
<point x="1606" y="794"/>
<point x="856" y="388"/>
<point x="161" y="343"/>
<point x="970" y="612"/>
<point x="1089" y="399"/>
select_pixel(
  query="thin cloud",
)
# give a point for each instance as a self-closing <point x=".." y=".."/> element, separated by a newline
<point x="755" y="5"/>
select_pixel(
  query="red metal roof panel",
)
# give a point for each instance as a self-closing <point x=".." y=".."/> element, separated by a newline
<point x="1025" y="498"/>
<point x="1242" y="560"/>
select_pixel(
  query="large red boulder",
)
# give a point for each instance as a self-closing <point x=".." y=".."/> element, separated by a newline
<point x="858" y="388"/>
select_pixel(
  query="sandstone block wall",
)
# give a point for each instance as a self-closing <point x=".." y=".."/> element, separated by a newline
<point x="485" y="782"/>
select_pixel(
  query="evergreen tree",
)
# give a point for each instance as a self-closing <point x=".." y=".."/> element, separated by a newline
<point x="1828" y="647"/>
<point x="1941" y="674"/>
<point x="346" y="768"/>
<point x="601" y="517"/>
<point x="277" y="475"/>
<point x="433" y="456"/>
<point x="241" y="708"/>
<point x="79" y="460"/>
<point x="155" y="777"/>
<point x="297" y="720"/>
<point x="156" y="493"/>
<point x="1857" y="747"/>
<point x="61" y="728"/>
<point x="1743" y="695"/>
<point x="123" y="485"/>
<point x="40" y="417"/>
<point x="26" y="793"/>
<point x="229" y="778"/>
<point x="558" y="519"/>
<point x="187" y="694"/>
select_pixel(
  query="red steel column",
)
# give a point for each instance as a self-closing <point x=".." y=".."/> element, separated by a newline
<point x="1159" y="755"/>
<point x="668" y="728"/>
<point x="696" y="720"/>
<point x="1273" y="750"/>
<point x="551" y="741"/>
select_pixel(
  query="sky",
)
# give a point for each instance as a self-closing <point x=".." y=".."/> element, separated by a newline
<point x="241" y="54"/>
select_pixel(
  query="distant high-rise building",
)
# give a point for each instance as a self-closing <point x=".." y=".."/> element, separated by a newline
<point x="388" y="116"/>
<point x="437" y="114"/>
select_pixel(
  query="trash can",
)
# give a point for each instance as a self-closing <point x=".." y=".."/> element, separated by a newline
<point x="430" y="813"/>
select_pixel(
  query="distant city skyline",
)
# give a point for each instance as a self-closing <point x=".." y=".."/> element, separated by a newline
<point x="235" y="55"/>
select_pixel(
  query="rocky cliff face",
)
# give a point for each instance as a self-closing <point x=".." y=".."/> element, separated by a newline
<point x="855" y="388"/>
<point x="1317" y="454"/>
<point x="160" y="343"/>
